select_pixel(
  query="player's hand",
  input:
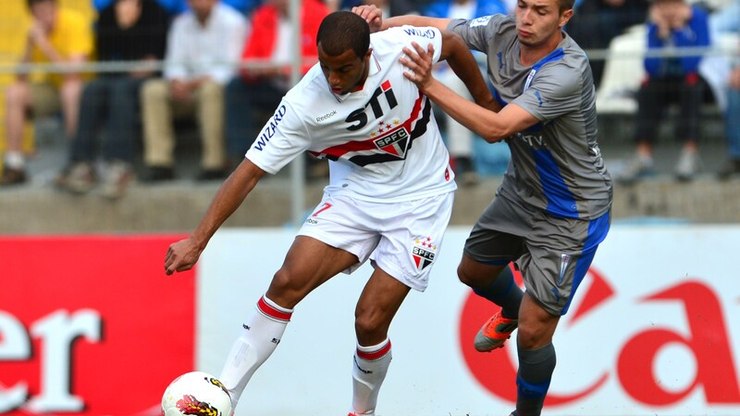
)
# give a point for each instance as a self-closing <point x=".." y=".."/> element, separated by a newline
<point x="419" y="63"/>
<point x="181" y="256"/>
<point x="372" y="15"/>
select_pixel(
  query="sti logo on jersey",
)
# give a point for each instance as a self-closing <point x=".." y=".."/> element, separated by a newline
<point x="423" y="252"/>
<point x="360" y="118"/>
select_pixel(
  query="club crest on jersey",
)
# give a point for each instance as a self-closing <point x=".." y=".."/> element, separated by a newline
<point x="393" y="141"/>
<point x="423" y="252"/>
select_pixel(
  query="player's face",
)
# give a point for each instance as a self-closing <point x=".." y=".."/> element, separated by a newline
<point x="539" y="21"/>
<point x="345" y="72"/>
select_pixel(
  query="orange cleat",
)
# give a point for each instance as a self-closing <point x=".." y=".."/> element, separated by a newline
<point x="494" y="333"/>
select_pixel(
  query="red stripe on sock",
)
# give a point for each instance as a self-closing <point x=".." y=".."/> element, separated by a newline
<point x="374" y="355"/>
<point x="268" y="310"/>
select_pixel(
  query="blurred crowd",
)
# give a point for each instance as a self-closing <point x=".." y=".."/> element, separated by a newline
<point x="224" y="65"/>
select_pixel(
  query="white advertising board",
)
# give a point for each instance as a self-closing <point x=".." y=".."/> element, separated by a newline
<point x="653" y="330"/>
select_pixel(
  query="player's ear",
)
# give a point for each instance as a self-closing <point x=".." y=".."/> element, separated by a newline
<point x="368" y="53"/>
<point x="565" y="17"/>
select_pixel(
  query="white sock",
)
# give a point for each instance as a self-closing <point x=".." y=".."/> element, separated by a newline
<point x="261" y="335"/>
<point x="15" y="159"/>
<point x="369" y="370"/>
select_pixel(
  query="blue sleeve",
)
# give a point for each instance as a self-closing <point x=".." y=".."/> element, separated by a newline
<point x="699" y="25"/>
<point x="652" y="65"/>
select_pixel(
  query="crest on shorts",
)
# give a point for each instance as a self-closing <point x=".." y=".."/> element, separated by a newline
<point x="395" y="140"/>
<point x="423" y="252"/>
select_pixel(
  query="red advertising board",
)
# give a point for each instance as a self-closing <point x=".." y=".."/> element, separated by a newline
<point x="91" y="325"/>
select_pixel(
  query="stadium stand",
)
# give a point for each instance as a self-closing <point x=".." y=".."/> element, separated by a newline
<point x="14" y="23"/>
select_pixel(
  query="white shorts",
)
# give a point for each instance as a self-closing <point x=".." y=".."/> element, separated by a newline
<point x="402" y="238"/>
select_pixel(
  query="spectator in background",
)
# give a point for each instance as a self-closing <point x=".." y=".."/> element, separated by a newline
<point x="126" y="31"/>
<point x="265" y="78"/>
<point x="203" y="47"/>
<point x="673" y="24"/>
<point x="727" y="20"/>
<point x="59" y="36"/>
<point x="460" y="138"/>
<point x="388" y="7"/>
<point x="597" y="22"/>
<point x="178" y="6"/>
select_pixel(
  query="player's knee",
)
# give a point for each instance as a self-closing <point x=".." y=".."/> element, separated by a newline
<point x="371" y="326"/>
<point x="286" y="290"/>
<point x="531" y="336"/>
<point x="467" y="275"/>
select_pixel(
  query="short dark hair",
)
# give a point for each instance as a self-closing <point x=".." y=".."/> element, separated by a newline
<point x="566" y="4"/>
<point x="343" y="30"/>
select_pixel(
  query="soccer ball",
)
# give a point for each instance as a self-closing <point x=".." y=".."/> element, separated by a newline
<point x="196" y="393"/>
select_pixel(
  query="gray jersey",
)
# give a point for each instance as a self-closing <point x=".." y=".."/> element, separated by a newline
<point x="556" y="165"/>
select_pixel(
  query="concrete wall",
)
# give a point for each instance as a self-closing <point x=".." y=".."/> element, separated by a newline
<point x="178" y="206"/>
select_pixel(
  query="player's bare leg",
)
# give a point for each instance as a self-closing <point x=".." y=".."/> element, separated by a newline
<point x="308" y="264"/>
<point x="536" y="356"/>
<point x="375" y="310"/>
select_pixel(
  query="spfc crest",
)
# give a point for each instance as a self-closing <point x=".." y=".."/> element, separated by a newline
<point x="395" y="142"/>
<point x="423" y="252"/>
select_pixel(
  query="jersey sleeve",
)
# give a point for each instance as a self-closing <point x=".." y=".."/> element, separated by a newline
<point x="423" y="36"/>
<point x="555" y="90"/>
<point x="281" y="140"/>
<point x="477" y="32"/>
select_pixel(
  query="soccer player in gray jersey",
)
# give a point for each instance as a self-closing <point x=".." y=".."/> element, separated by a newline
<point x="553" y="207"/>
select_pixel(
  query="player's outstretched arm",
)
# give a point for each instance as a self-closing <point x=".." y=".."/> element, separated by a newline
<point x="488" y="124"/>
<point x="461" y="60"/>
<point x="374" y="17"/>
<point x="182" y="255"/>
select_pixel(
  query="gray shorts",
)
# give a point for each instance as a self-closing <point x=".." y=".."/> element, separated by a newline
<point x="552" y="253"/>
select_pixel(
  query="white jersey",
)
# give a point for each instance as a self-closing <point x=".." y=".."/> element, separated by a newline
<point x="382" y="142"/>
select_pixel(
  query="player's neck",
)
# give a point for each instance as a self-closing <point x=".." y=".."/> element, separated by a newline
<point x="531" y="54"/>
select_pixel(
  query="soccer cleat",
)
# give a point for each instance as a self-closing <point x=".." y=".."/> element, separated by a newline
<point x="494" y="333"/>
<point x="360" y="414"/>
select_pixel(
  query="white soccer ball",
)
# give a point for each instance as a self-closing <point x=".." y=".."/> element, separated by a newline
<point x="196" y="393"/>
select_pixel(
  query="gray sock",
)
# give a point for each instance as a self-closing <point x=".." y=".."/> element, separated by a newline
<point x="504" y="292"/>
<point x="533" y="379"/>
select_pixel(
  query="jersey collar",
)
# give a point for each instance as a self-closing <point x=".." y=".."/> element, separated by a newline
<point x="374" y="69"/>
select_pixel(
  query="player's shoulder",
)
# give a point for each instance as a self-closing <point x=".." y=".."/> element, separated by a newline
<point x="569" y="57"/>
<point x="402" y="35"/>
<point x="310" y="94"/>
<point x="565" y="68"/>
<point x="494" y="23"/>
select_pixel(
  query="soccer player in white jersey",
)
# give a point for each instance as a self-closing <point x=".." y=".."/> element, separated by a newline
<point x="389" y="198"/>
<point x="553" y="207"/>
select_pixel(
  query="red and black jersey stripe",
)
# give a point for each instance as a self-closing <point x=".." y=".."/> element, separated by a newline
<point x="421" y="114"/>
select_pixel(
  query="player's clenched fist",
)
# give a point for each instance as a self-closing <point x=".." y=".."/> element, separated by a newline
<point x="181" y="256"/>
